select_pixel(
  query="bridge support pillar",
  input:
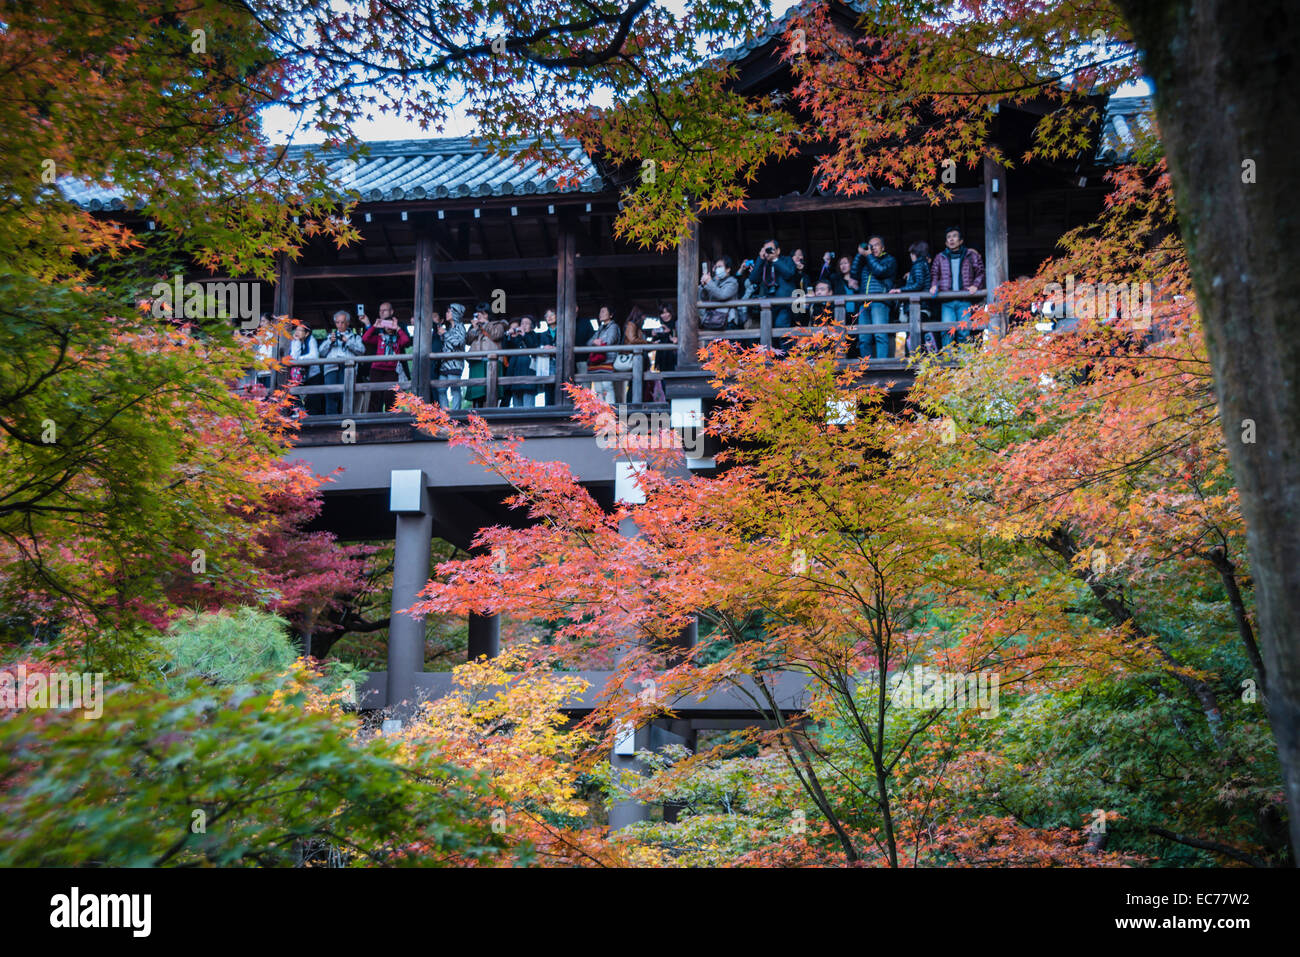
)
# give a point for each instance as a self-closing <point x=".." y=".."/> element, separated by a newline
<point x="623" y="759"/>
<point x="412" y="548"/>
<point x="484" y="636"/>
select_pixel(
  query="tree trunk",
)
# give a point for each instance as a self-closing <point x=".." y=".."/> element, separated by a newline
<point x="1225" y="81"/>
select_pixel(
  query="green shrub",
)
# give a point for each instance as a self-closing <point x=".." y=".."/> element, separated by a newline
<point x="226" y="648"/>
<point x="212" y="776"/>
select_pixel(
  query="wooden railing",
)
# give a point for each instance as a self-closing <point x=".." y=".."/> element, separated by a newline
<point x="769" y="307"/>
<point x="804" y="309"/>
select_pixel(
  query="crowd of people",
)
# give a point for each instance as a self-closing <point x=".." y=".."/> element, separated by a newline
<point x="477" y="340"/>
<point x="484" y="339"/>
<point x="871" y="270"/>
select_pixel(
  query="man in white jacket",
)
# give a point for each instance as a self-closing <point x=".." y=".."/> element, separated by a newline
<point x="341" y="343"/>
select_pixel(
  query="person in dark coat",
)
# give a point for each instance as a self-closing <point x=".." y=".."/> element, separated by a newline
<point x="778" y="277"/>
<point x="877" y="271"/>
<point x="520" y="335"/>
<point x="918" y="280"/>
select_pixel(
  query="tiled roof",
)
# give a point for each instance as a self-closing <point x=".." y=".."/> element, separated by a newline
<point x="396" y="170"/>
<point x="781" y="24"/>
<point x="1126" y="128"/>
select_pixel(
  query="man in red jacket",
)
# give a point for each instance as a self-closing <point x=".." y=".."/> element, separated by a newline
<point x="385" y="338"/>
<point x="957" y="268"/>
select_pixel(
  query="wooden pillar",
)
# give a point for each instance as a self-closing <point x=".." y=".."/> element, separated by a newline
<point x="283" y="306"/>
<point x="566" y="301"/>
<point x="995" y="228"/>
<point x="688" y="293"/>
<point x="423" y="313"/>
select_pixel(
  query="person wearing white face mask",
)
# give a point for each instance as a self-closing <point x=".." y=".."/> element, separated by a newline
<point x="719" y="287"/>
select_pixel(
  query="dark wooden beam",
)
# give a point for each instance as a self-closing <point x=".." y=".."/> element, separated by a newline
<point x="423" y="311"/>
<point x="549" y="263"/>
<point x="285" y="275"/>
<point x="355" y="270"/>
<point x="815" y="204"/>
<point x="566" y="297"/>
<point x="688" y="291"/>
<point x="996" y="261"/>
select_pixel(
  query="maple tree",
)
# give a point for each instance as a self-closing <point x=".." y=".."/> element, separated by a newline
<point x="838" y="536"/>
<point x="123" y="445"/>
<point x="845" y="552"/>
<point x="1100" y="450"/>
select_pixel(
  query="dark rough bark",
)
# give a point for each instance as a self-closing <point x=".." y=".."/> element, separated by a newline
<point x="1218" y="557"/>
<point x="1226" y="78"/>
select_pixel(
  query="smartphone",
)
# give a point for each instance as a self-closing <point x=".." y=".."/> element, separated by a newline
<point x="361" y="309"/>
<point x="595" y="325"/>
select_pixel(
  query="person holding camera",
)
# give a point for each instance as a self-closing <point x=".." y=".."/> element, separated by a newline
<point x="478" y="339"/>
<point x="719" y="285"/>
<point x="302" y="345"/>
<point x="876" y="271"/>
<point x="520" y="335"/>
<point x="542" y="365"/>
<point x="385" y="338"/>
<point x="778" y="278"/>
<point x="341" y="343"/>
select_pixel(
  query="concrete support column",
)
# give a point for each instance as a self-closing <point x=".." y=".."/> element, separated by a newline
<point x="677" y="731"/>
<point x="484" y="636"/>
<point x="413" y="545"/>
<point x="625" y="812"/>
<point x="687" y="638"/>
<point x="623" y="758"/>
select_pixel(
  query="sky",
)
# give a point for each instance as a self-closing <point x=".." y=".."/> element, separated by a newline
<point x="281" y="123"/>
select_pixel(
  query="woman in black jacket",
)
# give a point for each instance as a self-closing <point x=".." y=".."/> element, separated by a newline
<point x="521" y="336"/>
<point x="918" y="280"/>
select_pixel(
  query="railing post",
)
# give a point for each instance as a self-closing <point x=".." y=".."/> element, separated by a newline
<point x="638" y="376"/>
<point x="349" y="386"/>
<point x="490" y="398"/>
<point x="914" y="321"/>
<point x="765" y="323"/>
